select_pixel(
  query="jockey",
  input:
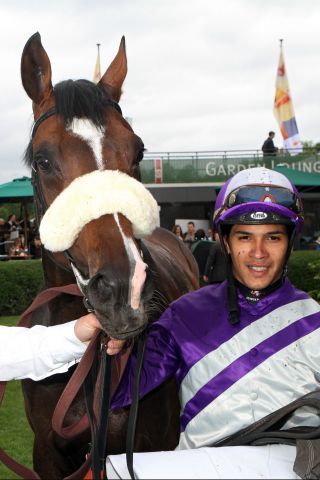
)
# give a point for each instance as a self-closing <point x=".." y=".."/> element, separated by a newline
<point x="242" y="349"/>
<point x="41" y="351"/>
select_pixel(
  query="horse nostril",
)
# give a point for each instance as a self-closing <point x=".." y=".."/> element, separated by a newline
<point x="101" y="286"/>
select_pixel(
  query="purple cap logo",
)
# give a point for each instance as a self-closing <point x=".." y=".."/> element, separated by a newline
<point x="259" y="216"/>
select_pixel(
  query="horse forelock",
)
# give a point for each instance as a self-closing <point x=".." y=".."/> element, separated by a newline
<point x="77" y="99"/>
<point x="81" y="99"/>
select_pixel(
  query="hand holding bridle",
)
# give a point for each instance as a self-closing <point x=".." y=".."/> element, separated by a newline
<point x="114" y="346"/>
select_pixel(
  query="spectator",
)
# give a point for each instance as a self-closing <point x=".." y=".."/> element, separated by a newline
<point x="215" y="270"/>
<point x="268" y="147"/>
<point x="177" y="230"/>
<point x="200" y="249"/>
<point x="24" y="226"/>
<point x="189" y="236"/>
<point x="210" y="234"/>
<point x="11" y="227"/>
<point x="36" y="247"/>
<point x="17" y="249"/>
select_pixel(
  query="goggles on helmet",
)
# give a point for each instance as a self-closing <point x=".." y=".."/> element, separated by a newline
<point x="265" y="194"/>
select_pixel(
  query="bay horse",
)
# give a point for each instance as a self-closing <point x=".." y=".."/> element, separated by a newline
<point x="98" y="224"/>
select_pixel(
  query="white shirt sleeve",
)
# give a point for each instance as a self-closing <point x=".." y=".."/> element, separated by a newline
<point x="38" y="352"/>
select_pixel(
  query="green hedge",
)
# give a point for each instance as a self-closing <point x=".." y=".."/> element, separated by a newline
<point x="303" y="271"/>
<point x="20" y="281"/>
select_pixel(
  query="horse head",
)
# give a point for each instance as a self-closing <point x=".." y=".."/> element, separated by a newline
<point x="91" y="205"/>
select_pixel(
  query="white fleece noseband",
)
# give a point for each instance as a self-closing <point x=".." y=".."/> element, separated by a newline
<point x="89" y="197"/>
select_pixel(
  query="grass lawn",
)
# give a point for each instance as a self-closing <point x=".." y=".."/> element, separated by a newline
<point x="15" y="434"/>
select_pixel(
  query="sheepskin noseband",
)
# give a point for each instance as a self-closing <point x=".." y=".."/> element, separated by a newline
<point x="89" y="197"/>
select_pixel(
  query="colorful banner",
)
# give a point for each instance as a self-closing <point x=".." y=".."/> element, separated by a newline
<point x="97" y="71"/>
<point x="284" y="112"/>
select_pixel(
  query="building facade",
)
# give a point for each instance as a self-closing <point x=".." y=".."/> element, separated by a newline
<point x="185" y="184"/>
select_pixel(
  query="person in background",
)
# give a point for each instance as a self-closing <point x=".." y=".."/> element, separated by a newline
<point x="11" y="227"/>
<point x="200" y="249"/>
<point x="210" y="234"/>
<point x="215" y="270"/>
<point x="177" y="230"/>
<point x="35" y="247"/>
<point x="17" y="249"/>
<point x="189" y="236"/>
<point x="268" y="146"/>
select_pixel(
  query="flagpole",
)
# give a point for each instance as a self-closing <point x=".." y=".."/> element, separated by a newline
<point x="97" y="72"/>
<point x="98" y="58"/>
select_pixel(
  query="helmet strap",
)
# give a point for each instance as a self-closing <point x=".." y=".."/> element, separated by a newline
<point x="292" y="237"/>
<point x="232" y="296"/>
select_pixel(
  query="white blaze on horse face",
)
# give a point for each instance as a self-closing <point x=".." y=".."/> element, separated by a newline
<point x="90" y="133"/>
<point x="138" y="267"/>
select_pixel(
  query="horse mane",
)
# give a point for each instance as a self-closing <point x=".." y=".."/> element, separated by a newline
<point x="77" y="99"/>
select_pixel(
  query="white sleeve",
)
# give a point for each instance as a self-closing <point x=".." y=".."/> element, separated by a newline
<point x="39" y="351"/>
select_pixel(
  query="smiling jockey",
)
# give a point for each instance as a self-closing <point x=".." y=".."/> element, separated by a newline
<point x="247" y="347"/>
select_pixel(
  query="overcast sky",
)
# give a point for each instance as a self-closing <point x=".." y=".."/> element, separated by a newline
<point x="201" y="72"/>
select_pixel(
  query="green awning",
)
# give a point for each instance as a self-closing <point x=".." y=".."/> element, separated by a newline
<point x="16" y="190"/>
<point x="300" y="179"/>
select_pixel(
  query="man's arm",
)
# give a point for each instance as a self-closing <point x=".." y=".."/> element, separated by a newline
<point x="41" y="351"/>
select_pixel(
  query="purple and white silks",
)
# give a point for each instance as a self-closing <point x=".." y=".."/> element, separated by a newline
<point x="231" y="376"/>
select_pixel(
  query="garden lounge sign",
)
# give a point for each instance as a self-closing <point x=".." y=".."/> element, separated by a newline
<point x="222" y="169"/>
<point x="207" y="168"/>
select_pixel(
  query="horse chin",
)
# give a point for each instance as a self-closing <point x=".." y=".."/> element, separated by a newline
<point x="126" y="335"/>
<point x="124" y="330"/>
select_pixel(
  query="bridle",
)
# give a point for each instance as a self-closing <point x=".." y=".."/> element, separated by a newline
<point x="54" y="111"/>
<point x="98" y="433"/>
<point x="40" y="201"/>
<point x="34" y="177"/>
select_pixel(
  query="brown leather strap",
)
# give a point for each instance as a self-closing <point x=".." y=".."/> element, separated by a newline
<point x="17" y="468"/>
<point x="72" y="388"/>
<point x="69" y="393"/>
<point x="41" y="299"/>
<point x="80" y="474"/>
<point x="44" y="297"/>
<point x="75" y="383"/>
<point x="8" y="461"/>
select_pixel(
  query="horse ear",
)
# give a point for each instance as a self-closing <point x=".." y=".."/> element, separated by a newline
<point x="114" y="77"/>
<point x="36" y="70"/>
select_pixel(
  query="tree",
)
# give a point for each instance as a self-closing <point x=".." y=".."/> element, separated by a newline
<point x="310" y="147"/>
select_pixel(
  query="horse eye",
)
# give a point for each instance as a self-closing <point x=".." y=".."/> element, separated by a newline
<point x="42" y="163"/>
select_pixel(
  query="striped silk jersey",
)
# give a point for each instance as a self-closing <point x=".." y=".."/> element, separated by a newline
<point x="232" y="375"/>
